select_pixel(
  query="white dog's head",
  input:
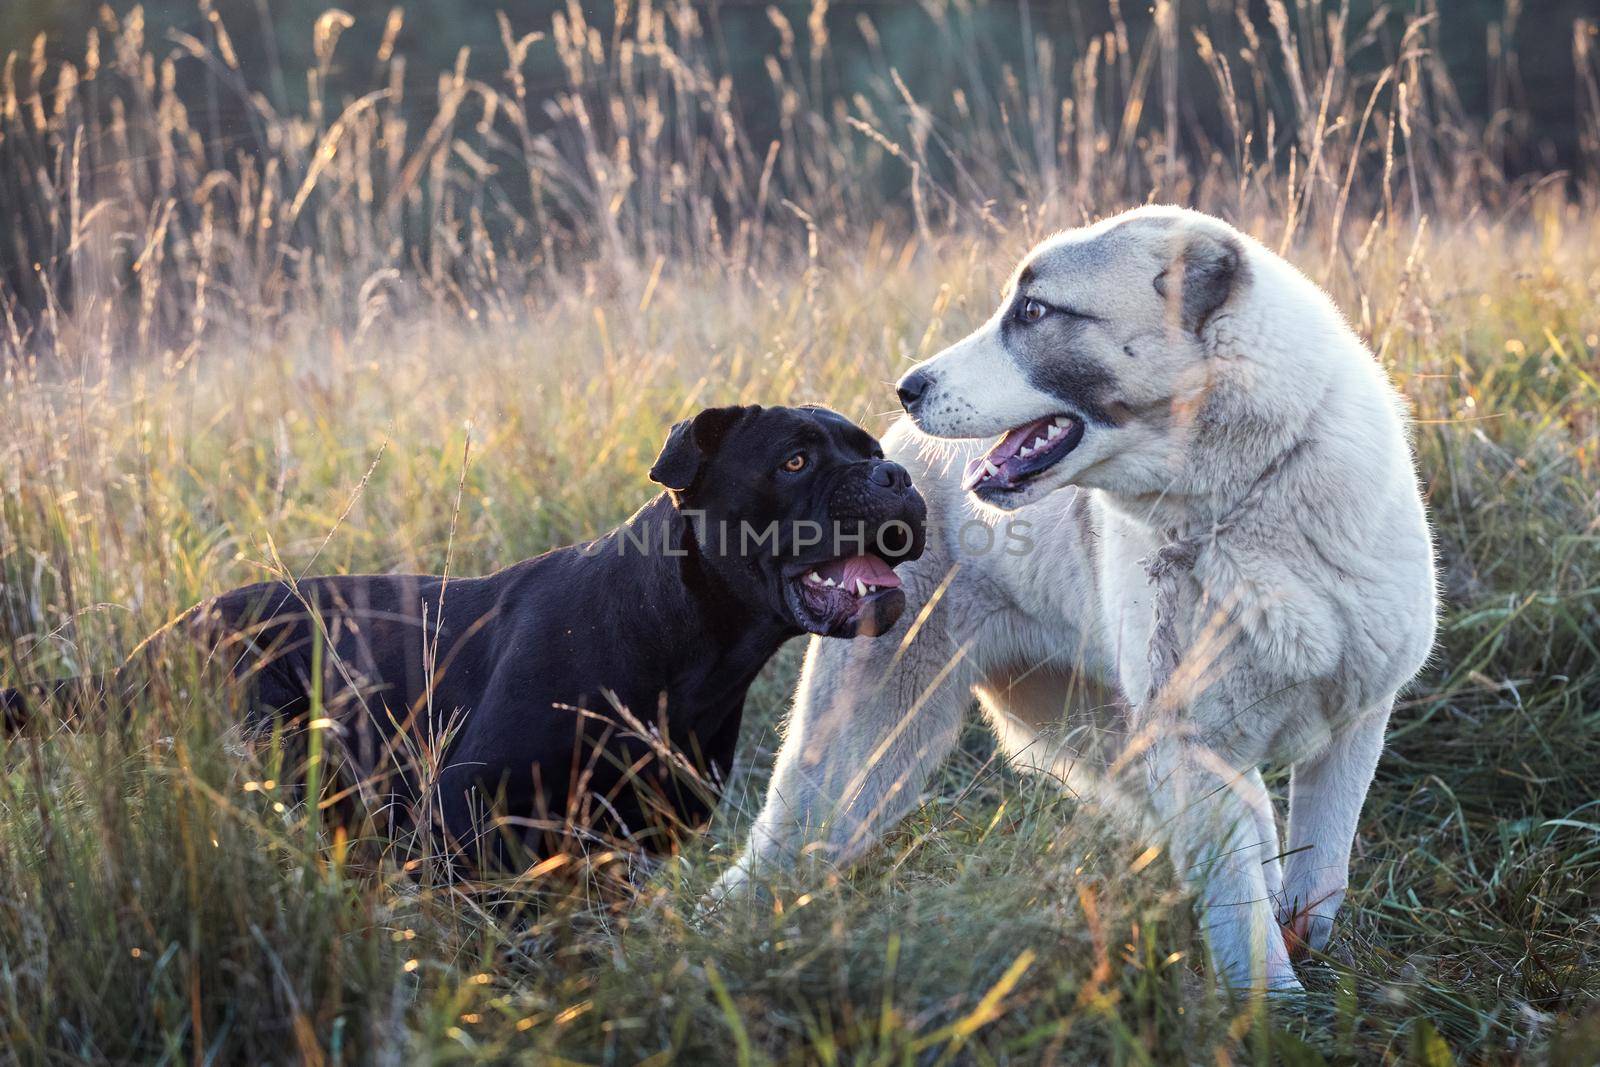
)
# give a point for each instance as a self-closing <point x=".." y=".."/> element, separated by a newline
<point x="1094" y="366"/>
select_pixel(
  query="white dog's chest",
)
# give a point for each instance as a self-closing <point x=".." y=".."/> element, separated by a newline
<point x="1229" y="701"/>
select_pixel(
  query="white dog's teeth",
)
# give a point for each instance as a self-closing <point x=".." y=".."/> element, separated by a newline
<point x="1062" y="421"/>
<point x="1054" y="432"/>
<point x="814" y="578"/>
<point x="1025" y="451"/>
<point x="829" y="582"/>
<point x="979" y="474"/>
<point x="861" y="587"/>
<point x="1038" y="443"/>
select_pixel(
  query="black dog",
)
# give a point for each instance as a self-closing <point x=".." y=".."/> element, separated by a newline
<point x="598" y="686"/>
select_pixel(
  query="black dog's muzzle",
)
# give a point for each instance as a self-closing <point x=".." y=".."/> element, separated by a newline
<point x="843" y="584"/>
<point x="875" y="508"/>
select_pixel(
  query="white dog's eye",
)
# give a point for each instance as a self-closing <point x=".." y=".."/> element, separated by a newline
<point x="1031" y="311"/>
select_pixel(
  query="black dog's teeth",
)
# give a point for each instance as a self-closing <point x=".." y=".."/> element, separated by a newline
<point x="861" y="589"/>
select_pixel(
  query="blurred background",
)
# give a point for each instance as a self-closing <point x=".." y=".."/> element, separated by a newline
<point x="1506" y="58"/>
<point x="526" y="124"/>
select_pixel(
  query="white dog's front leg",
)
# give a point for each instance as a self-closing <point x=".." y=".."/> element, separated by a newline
<point x="1210" y="816"/>
<point x="1268" y="840"/>
<point x="1325" y="797"/>
<point x="871" y="721"/>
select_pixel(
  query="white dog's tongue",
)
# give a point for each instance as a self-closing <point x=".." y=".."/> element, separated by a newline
<point x="994" y="461"/>
<point x="869" y="570"/>
<point x="1013" y="441"/>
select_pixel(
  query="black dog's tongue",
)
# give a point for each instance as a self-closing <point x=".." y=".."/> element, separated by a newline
<point x="855" y="573"/>
<point x="858" y="590"/>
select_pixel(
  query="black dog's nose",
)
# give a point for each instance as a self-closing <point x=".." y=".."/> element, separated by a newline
<point x="911" y="388"/>
<point x="890" y="475"/>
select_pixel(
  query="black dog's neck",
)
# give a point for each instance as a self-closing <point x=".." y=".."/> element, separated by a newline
<point x="710" y="637"/>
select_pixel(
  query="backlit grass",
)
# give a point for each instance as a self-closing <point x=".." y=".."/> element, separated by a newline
<point x="369" y="382"/>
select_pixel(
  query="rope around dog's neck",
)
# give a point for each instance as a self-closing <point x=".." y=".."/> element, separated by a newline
<point x="1168" y="565"/>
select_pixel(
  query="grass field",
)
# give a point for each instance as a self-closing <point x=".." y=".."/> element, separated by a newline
<point x="334" y="352"/>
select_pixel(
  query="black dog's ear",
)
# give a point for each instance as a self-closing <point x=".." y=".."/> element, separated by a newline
<point x="691" y="442"/>
<point x="1208" y="268"/>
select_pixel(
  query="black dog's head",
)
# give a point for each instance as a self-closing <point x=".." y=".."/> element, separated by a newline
<point x="797" y="509"/>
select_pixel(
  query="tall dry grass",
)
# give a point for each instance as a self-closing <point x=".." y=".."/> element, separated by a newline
<point x="158" y="199"/>
<point x="231" y="328"/>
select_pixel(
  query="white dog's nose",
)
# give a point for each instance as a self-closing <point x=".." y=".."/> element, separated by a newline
<point x="911" y="388"/>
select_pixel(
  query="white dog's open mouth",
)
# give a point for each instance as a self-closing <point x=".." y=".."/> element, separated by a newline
<point x="1023" y="453"/>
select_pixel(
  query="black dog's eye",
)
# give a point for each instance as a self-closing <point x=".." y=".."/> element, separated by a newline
<point x="1030" y="310"/>
<point x="795" y="463"/>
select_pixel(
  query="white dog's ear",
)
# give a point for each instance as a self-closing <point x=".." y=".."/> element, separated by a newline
<point x="1207" y="267"/>
<point x="691" y="443"/>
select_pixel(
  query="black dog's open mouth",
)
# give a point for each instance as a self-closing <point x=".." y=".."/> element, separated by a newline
<point x="856" y="595"/>
<point x="1023" y="453"/>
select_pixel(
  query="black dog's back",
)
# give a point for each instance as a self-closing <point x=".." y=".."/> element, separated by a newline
<point x="528" y="688"/>
<point x="373" y="641"/>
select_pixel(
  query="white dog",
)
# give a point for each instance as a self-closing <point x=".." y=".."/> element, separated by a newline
<point x="1198" y="546"/>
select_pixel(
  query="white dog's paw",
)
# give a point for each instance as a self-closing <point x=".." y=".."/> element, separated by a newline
<point x="733" y="887"/>
<point x="1277" y="979"/>
<point x="1306" y="932"/>
<point x="1285" y="987"/>
<point x="1307" y="927"/>
<point x="1251" y="957"/>
<point x="1284" y="983"/>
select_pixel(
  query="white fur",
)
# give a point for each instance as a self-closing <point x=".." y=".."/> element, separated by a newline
<point x="1271" y="437"/>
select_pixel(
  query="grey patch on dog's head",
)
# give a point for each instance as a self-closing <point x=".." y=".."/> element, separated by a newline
<point x="1073" y="255"/>
<point x="1045" y="354"/>
<point x="1049" y="352"/>
<point x="1209" y="267"/>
